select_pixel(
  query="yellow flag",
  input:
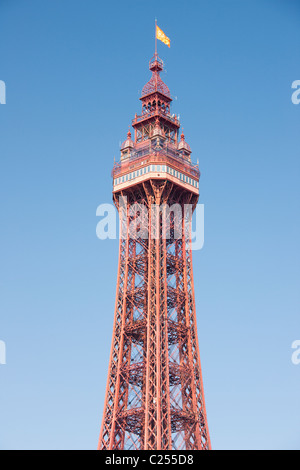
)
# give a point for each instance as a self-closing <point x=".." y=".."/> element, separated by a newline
<point x="162" y="37"/>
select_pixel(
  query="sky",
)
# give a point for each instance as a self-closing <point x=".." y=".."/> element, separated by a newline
<point x="74" y="71"/>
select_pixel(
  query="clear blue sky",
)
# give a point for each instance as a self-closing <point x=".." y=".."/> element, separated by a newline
<point x="74" y="70"/>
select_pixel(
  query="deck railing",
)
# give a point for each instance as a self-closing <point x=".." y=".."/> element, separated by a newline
<point x="147" y="154"/>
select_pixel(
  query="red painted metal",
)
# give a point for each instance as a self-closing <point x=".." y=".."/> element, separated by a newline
<point x="154" y="394"/>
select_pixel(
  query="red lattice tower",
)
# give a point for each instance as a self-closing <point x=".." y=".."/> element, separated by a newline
<point x="154" y="395"/>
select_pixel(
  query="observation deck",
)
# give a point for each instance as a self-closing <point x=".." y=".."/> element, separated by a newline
<point x="148" y="161"/>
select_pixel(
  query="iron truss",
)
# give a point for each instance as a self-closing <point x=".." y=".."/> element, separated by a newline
<point x="154" y="397"/>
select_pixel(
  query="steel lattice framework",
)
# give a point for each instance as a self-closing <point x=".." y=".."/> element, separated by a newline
<point x="154" y="395"/>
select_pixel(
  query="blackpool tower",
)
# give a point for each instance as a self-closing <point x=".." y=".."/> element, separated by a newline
<point x="154" y="395"/>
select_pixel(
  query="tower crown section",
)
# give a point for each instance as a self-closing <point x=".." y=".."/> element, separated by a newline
<point x="155" y="84"/>
<point x="156" y="152"/>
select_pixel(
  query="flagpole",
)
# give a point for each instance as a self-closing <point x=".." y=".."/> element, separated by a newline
<point x="155" y="39"/>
